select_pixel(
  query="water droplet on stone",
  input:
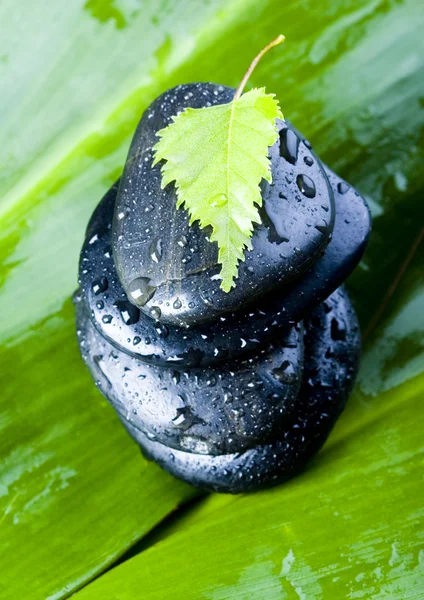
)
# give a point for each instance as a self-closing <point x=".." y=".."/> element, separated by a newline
<point x="155" y="250"/>
<point x="211" y="381"/>
<point x="342" y="187"/>
<point x="123" y="214"/>
<point x="99" y="285"/>
<point x="275" y="224"/>
<point x="289" y="145"/>
<point x="141" y="290"/>
<point x="136" y="340"/>
<point x="107" y="319"/>
<point x="184" y="418"/>
<point x="228" y="397"/>
<point x="129" y="313"/>
<point x="285" y="373"/>
<point x="338" y="330"/>
<point x="155" y="312"/>
<point x="323" y="228"/>
<point x="182" y="241"/>
<point x="162" y="330"/>
<point x="177" y="304"/>
<point x="100" y="304"/>
<point x="308" y="161"/>
<point x="306" y="186"/>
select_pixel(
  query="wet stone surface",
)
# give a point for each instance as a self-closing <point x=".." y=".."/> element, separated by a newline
<point x="351" y="232"/>
<point x="166" y="265"/>
<point x="223" y="390"/>
<point x="213" y="342"/>
<point x="206" y="411"/>
<point x="331" y="365"/>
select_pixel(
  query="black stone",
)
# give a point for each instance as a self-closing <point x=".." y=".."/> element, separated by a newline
<point x="219" y="388"/>
<point x="330" y="370"/>
<point x="213" y="342"/>
<point x="156" y="250"/>
<point x="206" y="411"/>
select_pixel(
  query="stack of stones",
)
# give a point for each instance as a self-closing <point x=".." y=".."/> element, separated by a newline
<point x="229" y="391"/>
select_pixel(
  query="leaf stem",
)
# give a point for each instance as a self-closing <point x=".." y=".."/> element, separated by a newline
<point x="278" y="40"/>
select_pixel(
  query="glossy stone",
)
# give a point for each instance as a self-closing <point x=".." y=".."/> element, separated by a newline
<point x="164" y="262"/>
<point x="213" y="386"/>
<point x="206" y="411"/>
<point x="330" y="369"/>
<point x="216" y="341"/>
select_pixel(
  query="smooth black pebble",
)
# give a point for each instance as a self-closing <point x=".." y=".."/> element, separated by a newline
<point x="206" y="411"/>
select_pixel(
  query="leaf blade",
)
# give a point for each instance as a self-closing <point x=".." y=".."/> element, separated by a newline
<point x="217" y="157"/>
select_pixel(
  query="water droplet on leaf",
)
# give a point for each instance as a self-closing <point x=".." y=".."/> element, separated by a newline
<point x="129" y="313"/>
<point x="155" y="312"/>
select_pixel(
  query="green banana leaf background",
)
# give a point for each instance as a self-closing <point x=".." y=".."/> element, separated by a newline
<point x="81" y="511"/>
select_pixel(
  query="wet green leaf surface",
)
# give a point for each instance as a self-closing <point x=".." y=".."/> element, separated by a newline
<point x="74" y="490"/>
<point x="348" y="528"/>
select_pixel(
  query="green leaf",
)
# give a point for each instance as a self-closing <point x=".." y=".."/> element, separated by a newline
<point x="218" y="156"/>
<point x="74" y="490"/>
<point x="347" y="528"/>
<point x="351" y="81"/>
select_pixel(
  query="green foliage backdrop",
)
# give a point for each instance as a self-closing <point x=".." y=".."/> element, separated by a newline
<point x="75" y="493"/>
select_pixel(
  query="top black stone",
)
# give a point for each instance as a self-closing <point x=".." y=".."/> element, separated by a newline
<point x="168" y="268"/>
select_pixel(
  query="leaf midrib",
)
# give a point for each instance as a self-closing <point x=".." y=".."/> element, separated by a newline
<point x="230" y="129"/>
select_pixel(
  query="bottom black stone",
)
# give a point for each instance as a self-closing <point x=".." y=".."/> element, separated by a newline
<point x="212" y="411"/>
<point x="332" y="349"/>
